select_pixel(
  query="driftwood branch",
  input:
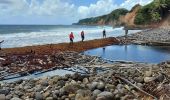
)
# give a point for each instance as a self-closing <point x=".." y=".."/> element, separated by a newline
<point x="144" y="92"/>
<point x="45" y="89"/>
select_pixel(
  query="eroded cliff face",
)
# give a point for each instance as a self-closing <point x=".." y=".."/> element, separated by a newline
<point x="108" y="19"/>
<point x="124" y="19"/>
<point x="129" y="18"/>
<point x="166" y="22"/>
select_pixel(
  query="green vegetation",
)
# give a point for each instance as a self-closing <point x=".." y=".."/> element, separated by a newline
<point x="113" y="16"/>
<point x="153" y="12"/>
<point x="146" y="15"/>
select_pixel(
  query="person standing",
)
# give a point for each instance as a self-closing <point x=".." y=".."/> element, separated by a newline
<point x="71" y="36"/>
<point x="82" y="36"/>
<point x="1" y="43"/>
<point x="104" y="33"/>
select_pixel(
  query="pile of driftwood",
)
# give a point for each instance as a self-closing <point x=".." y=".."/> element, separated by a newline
<point x="25" y="64"/>
<point x="154" y="78"/>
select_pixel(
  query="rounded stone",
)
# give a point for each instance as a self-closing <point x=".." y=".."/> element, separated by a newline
<point x="85" y="80"/>
<point x="105" y="96"/>
<point x="101" y="86"/>
<point x="96" y="92"/>
<point x="38" y="96"/>
<point x="49" y="98"/>
<point x="93" y="85"/>
<point x="16" y="98"/>
<point x="2" y="97"/>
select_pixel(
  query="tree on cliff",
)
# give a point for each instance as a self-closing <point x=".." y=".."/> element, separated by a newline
<point x="160" y="5"/>
<point x="153" y="12"/>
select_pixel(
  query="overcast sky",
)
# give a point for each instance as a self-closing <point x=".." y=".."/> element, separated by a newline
<point x="58" y="11"/>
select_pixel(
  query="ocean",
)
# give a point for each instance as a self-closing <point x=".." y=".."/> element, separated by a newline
<point x="28" y="35"/>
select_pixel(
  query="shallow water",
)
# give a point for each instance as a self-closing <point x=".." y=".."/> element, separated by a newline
<point x="59" y="72"/>
<point x="136" y="53"/>
<point x="37" y="75"/>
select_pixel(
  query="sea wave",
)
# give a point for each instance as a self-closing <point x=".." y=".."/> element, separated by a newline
<point x="58" y="34"/>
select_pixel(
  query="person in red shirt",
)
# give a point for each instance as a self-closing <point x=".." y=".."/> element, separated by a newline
<point x="71" y="36"/>
<point x="82" y="36"/>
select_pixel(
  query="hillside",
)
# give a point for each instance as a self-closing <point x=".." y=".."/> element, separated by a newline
<point x="109" y="19"/>
<point x="151" y="15"/>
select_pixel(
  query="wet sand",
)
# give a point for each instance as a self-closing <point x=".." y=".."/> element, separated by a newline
<point x="50" y="48"/>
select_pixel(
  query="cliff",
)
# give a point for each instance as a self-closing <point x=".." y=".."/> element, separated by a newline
<point x="129" y="18"/>
<point x="154" y="14"/>
<point x="109" y="19"/>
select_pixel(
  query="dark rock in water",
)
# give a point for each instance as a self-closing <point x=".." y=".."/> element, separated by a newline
<point x="38" y="96"/>
<point x="4" y="91"/>
<point x="2" y="97"/>
<point x="105" y="96"/>
<point x="15" y="98"/>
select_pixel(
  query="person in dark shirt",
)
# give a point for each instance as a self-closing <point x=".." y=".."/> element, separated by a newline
<point x="104" y="33"/>
<point x="82" y="36"/>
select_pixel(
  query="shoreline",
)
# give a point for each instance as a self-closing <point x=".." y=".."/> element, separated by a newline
<point x="150" y="37"/>
<point x="50" y="48"/>
<point x="96" y="80"/>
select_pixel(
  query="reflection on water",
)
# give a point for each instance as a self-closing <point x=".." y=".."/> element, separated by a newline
<point x="137" y="53"/>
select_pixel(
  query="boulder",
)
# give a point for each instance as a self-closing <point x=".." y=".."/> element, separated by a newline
<point x="96" y="92"/>
<point x="38" y="96"/>
<point x="2" y="97"/>
<point x="16" y="98"/>
<point x="105" y="96"/>
<point x="101" y="86"/>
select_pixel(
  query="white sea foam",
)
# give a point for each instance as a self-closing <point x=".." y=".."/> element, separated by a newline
<point x="56" y="35"/>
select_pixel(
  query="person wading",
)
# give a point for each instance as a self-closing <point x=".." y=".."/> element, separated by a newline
<point x="104" y="33"/>
<point x="71" y="36"/>
<point x="82" y="36"/>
